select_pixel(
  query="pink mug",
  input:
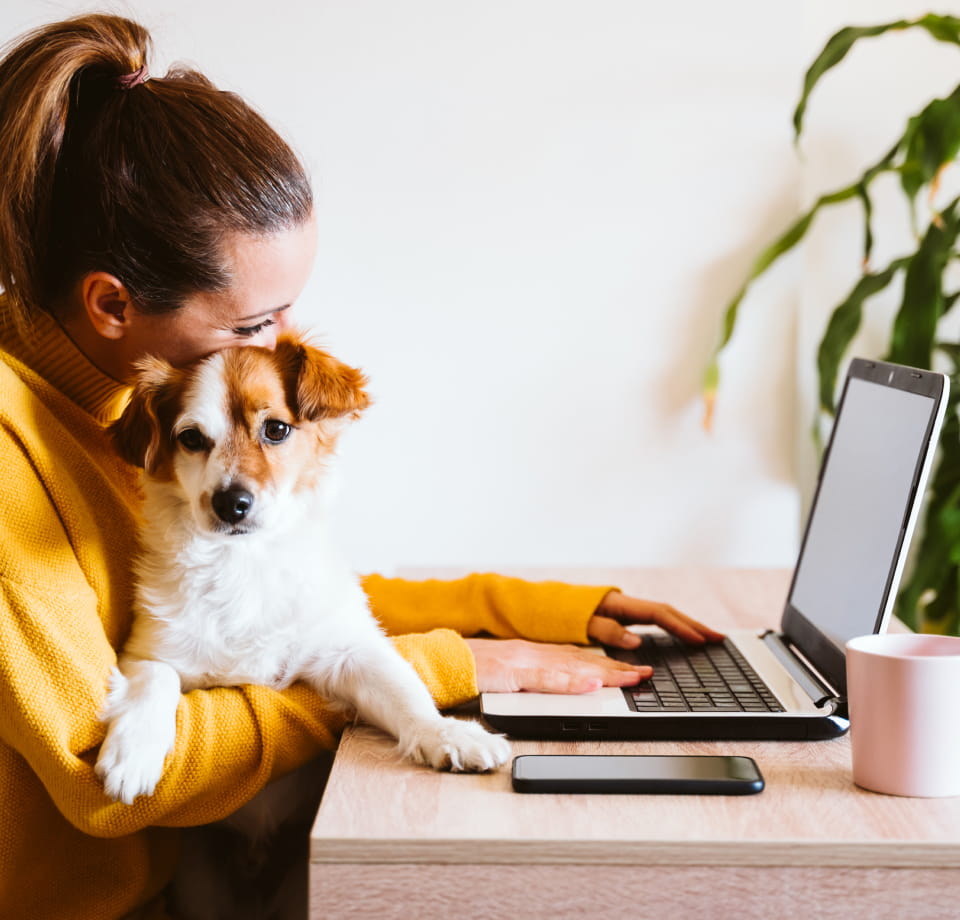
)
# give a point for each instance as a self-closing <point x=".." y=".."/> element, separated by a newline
<point x="904" y="696"/>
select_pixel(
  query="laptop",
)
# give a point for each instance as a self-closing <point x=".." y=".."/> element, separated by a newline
<point x="789" y="683"/>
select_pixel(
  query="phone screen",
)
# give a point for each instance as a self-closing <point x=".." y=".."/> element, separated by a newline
<point x="647" y="773"/>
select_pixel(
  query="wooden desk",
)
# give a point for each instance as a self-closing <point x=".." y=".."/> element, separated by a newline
<point x="396" y="841"/>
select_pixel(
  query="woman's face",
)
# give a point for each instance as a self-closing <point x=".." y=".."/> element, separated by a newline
<point x="268" y="275"/>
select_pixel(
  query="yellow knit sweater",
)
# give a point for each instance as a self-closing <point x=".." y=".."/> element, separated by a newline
<point x="67" y="537"/>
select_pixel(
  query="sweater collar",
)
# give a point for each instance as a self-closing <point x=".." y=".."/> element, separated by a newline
<point x="49" y="352"/>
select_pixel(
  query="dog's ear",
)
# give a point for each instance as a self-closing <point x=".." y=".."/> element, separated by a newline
<point x="318" y="385"/>
<point x="137" y="434"/>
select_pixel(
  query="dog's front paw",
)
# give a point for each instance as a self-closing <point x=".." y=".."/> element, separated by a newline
<point x="131" y="757"/>
<point x="458" y="745"/>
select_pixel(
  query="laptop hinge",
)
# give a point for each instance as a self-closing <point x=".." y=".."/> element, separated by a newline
<point x="801" y="671"/>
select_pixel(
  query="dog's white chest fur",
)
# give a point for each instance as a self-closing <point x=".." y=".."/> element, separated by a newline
<point x="251" y="609"/>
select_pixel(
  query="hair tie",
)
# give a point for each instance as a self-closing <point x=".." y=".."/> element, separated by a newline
<point x="130" y="80"/>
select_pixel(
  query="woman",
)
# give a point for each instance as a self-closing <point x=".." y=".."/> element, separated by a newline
<point x="143" y="215"/>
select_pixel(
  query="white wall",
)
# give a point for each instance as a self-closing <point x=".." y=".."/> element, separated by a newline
<point x="533" y="213"/>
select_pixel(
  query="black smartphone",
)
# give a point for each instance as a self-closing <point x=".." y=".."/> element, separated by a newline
<point x="644" y="773"/>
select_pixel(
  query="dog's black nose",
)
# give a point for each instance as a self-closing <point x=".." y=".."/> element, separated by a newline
<point x="232" y="505"/>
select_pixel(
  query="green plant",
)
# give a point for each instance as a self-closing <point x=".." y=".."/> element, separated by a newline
<point x="930" y="596"/>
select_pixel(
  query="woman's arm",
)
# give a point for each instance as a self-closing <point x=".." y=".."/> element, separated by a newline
<point x="545" y="612"/>
<point x="54" y="661"/>
<point x="495" y="605"/>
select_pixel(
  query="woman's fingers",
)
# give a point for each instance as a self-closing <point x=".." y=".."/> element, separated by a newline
<point x="606" y="631"/>
<point x="507" y="666"/>
<point x="626" y="610"/>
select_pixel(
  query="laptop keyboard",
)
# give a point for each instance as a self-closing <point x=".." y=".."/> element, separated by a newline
<point x="690" y="678"/>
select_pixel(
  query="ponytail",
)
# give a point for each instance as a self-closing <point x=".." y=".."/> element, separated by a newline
<point x="105" y="168"/>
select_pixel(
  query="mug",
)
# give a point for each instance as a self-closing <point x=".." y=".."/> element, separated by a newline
<point x="903" y="691"/>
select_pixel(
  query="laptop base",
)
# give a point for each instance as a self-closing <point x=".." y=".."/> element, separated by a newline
<point x="659" y="727"/>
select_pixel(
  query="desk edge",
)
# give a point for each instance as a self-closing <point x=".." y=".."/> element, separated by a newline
<point x="888" y="854"/>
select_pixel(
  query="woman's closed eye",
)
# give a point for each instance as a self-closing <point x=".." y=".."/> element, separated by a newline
<point x="250" y="331"/>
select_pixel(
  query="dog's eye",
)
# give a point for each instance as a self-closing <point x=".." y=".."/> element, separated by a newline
<point x="192" y="439"/>
<point x="276" y="431"/>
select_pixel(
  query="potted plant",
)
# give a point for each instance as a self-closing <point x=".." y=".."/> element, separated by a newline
<point x="930" y="596"/>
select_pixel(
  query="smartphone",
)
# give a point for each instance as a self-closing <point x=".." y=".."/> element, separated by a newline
<point x="644" y="773"/>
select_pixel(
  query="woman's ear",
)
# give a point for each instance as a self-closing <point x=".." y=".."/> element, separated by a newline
<point x="107" y="304"/>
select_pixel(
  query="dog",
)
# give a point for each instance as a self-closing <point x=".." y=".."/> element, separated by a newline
<point x="238" y="580"/>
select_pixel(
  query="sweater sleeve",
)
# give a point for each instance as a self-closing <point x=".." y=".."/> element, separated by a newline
<point x="445" y="664"/>
<point x="230" y="741"/>
<point x="495" y="605"/>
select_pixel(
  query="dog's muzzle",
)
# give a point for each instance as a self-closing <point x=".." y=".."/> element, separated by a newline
<point x="232" y="505"/>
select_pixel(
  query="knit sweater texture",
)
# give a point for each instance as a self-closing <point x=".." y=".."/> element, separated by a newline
<point x="68" y="509"/>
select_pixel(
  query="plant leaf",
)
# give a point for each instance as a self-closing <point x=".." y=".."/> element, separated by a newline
<point x="942" y="28"/>
<point x="928" y="600"/>
<point x="949" y="301"/>
<point x="779" y="247"/>
<point x="932" y="138"/>
<point x="863" y="194"/>
<point x="782" y="245"/>
<point x="915" y="325"/>
<point x="834" y="51"/>
<point x="843" y="325"/>
<point x="951" y="349"/>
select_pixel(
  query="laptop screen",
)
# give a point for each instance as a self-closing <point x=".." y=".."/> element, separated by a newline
<point x="862" y="513"/>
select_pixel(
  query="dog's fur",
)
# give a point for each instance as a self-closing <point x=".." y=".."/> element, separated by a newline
<point x="238" y="580"/>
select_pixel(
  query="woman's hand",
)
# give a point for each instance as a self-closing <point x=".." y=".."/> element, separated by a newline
<point x="510" y="665"/>
<point x="617" y="611"/>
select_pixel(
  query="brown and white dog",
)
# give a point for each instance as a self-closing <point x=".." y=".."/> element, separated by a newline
<point x="239" y="581"/>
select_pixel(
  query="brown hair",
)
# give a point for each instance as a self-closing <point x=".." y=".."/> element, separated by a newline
<point x="140" y="179"/>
